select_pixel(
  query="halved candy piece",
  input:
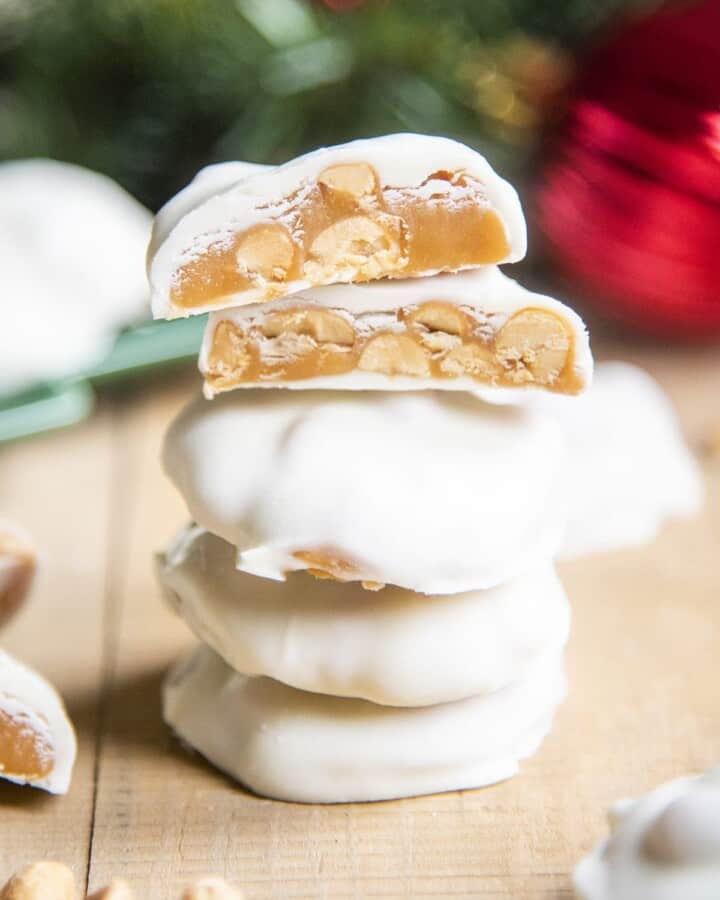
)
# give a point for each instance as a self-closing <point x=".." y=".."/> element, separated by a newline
<point x="391" y="647"/>
<point x="17" y="567"/>
<point x="434" y="491"/>
<point x="307" y="747"/>
<point x="402" y="205"/>
<point x="456" y="332"/>
<point x="37" y="740"/>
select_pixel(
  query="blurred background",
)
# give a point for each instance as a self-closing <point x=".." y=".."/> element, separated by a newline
<point x="605" y="113"/>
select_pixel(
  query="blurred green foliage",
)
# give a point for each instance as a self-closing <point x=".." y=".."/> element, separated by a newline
<point x="150" y="90"/>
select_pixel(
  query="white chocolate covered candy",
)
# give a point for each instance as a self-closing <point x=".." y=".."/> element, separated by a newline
<point x="435" y="492"/>
<point x="392" y="647"/>
<point x="402" y="205"/>
<point x="301" y="746"/>
<point x="456" y="332"/>
<point x="630" y="468"/>
<point x="663" y="846"/>
<point x="37" y="740"/>
<point x="72" y="244"/>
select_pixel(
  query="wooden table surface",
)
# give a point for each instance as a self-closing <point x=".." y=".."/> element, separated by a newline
<point x="644" y="705"/>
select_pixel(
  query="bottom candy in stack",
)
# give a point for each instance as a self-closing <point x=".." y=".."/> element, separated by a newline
<point x="317" y="689"/>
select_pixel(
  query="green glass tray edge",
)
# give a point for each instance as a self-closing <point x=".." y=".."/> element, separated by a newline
<point x="142" y="350"/>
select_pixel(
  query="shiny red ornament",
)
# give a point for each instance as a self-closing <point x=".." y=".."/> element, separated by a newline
<point x="629" y="201"/>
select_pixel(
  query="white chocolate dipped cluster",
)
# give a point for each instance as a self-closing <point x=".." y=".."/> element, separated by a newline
<point x="307" y="747"/>
<point x="434" y="492"/>
<point x="455" y="332"/>
<point x="402" y="206"/>
<point x="72" y="244"/>
<point x="663" y="846"/>
<point x="630" y="468"/>
<point x="393" y="647"/>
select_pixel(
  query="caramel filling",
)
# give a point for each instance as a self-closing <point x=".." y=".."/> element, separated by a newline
<point x="23" y="752"/>
<point x="345" y="227"/>
<point x="432" y="340"/>
<point x="329" y="563"/>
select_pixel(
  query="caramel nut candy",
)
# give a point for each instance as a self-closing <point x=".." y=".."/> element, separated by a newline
<point x="334" y="638"/>
<point x="476" y="330"/>
<point x="17" y="567"/>
<point x="37" y="740"/>
<point x="630" y="468"/>
<point x="40" y="881"/>
<point x="663" y="845"/>
<point x="311" y="748"/>
<point x="397" y="206"/>
<point x="437" y="492"/>
<point x="73" y="246"/>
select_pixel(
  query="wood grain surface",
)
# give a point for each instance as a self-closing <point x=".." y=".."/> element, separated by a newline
<point x="644" y="666"/>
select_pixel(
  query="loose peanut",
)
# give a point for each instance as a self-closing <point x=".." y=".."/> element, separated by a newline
<point x="41" y="881"/>
<point x="212" y="888"/>
<point x="116" y="890"/>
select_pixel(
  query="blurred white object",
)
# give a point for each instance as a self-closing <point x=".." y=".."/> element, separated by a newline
<point x="663" y="846"/>
<point x="630" y="468"/>
<point x="72" y="273"/>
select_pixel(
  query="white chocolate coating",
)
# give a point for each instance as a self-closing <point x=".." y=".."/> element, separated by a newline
<point x="435" y="492"/>
<point x="391" y="647"/>
<point x="663" y="846"/>
<point x="72" y="244"/>
<point x="300" y="746"/>
<point x="27" y="698"/>
<point x="185" y="229"/>
<point x="630" y="468"/>
<point x="210" y="180"/>
<point x="488" y="292"/>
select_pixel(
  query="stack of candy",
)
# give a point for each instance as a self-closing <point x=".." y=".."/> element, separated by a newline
<point x="371" y="572"/>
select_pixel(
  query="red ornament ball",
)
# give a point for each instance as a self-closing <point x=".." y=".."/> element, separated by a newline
<point x="629" y="201"/>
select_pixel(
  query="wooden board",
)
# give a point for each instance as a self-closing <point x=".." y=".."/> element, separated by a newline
<point x="643" y="706"/>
